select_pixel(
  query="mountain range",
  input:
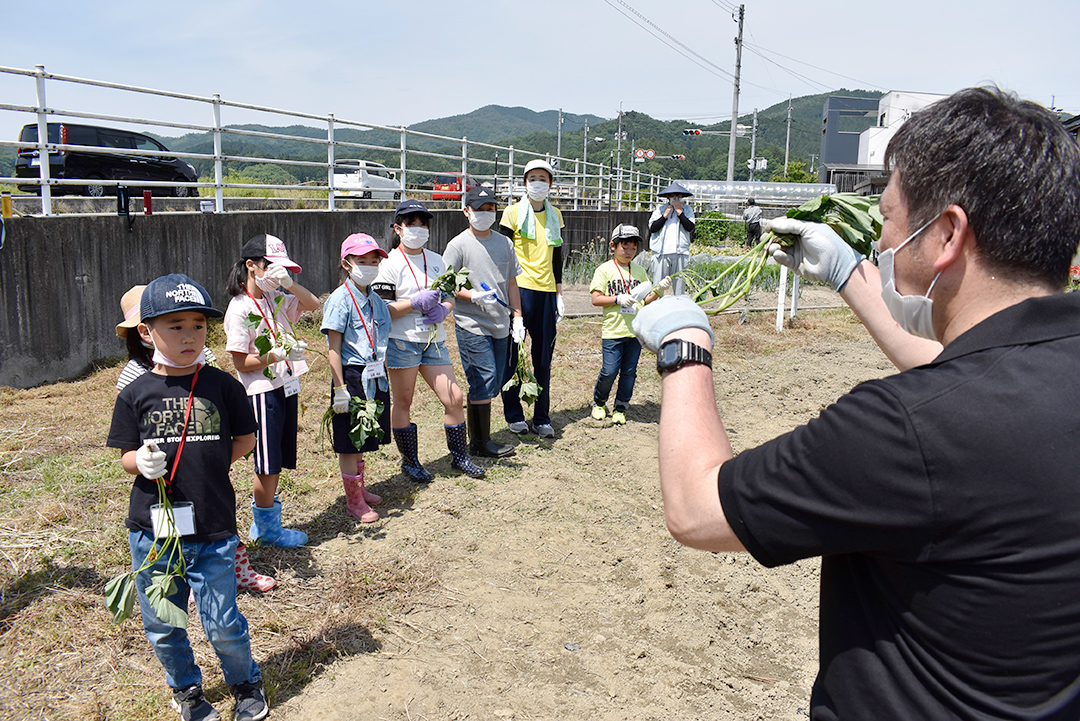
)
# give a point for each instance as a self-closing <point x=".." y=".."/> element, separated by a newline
<point x="525" y="129"/>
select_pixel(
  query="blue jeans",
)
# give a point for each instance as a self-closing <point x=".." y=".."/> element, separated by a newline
<point x="211" y="575"/>
<point x="484" y="360"/>
<point x="620" y="359"/>
<point x="538" y="309"/>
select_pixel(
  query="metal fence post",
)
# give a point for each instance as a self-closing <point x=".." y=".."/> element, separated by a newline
<point x="577" y="182"/>
<point x="404" y="172"/>
<point x="43" y="142"/>
<point x="330" y="159"/>
<point x="509" y="178"/>
<point x="219" y="191"/>
<point x="464" y="169"/>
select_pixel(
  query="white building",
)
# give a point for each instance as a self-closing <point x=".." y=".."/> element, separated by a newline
<point x="894" y="108"/>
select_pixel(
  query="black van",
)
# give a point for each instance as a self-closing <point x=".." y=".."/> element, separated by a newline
<point x="89" y="166"/>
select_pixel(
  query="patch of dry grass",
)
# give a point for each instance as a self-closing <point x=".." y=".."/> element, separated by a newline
<point x="63" y="499"/>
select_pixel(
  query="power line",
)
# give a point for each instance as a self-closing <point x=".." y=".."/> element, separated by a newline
<point x="787" y="70"/>
<point x="730" y="7"/>
<point x="759" y="50"/>
<point x="670" y="37"/>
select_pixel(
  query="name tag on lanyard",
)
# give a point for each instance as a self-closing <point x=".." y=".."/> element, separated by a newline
<point x="374" y="369"/>
<point x="291" y="386"/>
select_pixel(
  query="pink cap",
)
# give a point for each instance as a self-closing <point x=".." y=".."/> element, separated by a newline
<point x="360" y="244"/>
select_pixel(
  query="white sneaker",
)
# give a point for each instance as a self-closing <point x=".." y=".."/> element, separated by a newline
<point x="544" y="430"/>
<point x="518" y="427"/>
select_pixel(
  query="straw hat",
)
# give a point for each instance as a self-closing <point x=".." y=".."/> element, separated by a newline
<point x="129" y="304"/>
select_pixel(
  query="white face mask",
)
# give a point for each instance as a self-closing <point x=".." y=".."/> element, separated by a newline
<point x="914" y="313"/>
<point x="363" y="275"/>
<point x="414" y="236"/>
<point x="160" y="359"/>
<point x="481" y="220"/>
<point x="537" y="190"/>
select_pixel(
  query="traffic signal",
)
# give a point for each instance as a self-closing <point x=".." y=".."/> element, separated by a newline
<point x="691" y="131"/>
<point x="678" y="157"/>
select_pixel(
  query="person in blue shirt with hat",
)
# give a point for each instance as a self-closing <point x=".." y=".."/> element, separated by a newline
<point x="670" y="226"/>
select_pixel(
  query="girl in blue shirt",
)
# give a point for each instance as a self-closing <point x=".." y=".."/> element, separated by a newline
<point x="357" y="327"/>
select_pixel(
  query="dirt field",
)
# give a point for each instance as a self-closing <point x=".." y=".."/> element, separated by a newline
<point x="548" y="590"/>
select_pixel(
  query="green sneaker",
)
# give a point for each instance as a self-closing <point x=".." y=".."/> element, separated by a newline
<point x="618" y="418"/>
<point x="598" y="413"/>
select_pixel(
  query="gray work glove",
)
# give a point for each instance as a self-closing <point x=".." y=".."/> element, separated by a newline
<point x="817" y="254"/>
<point x="667" y="315"/>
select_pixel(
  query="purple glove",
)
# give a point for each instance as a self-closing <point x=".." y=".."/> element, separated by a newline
<point x="425" y="300"/>
<point x="437" y="314"/>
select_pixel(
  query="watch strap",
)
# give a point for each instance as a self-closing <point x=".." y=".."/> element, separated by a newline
<point x="687" y="352"/>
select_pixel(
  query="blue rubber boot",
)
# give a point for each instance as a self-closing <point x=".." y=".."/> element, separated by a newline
<point x="457" y="441"/>
<point x="266" y="528"/>
<point x="410" y="463"/>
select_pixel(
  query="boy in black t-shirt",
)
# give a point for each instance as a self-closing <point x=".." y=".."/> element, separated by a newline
<point x="185" y="422"/>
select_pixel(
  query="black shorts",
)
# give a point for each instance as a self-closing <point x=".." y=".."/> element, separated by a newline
<point x="341" y="422"/>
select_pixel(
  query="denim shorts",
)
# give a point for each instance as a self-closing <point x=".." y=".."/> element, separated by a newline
<point x="409" y="354"/>
<point x="484" y="360"/>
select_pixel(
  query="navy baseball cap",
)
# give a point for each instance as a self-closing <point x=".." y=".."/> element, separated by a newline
<point x="175" y="293"/>
<point x="479" y="195"/>
<point x="411" y="205"/>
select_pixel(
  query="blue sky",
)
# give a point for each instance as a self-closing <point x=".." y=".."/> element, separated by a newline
<point x="403" y="61"/>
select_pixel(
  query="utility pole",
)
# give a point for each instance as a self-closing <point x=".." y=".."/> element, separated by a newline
<point x="558" y="143"/>
<point x="585" y="149"/>
<point x="735" y="98"/>
<point x="753" y="148"/>
<point x="813" y="157"/>
<point x="787" y="143"/>
<point x="618" y="159"/>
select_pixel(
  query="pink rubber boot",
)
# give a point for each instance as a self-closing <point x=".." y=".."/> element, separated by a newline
<point x="246" y="576"/>
<point x="355" y="504"/>
<point x="371" y="498"/>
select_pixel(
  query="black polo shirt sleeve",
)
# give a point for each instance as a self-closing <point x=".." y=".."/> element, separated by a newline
<point x="852" y="479"/>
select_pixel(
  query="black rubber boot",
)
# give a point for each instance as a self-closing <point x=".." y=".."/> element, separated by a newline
<point x="457" y="442"/>
<point x="479" y="418"/>
<point x="410" y="463"/>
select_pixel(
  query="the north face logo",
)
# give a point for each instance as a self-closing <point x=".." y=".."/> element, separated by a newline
<point x="185" y="293"/>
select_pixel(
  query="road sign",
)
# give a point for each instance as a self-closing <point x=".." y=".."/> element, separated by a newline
<point x="554" y="162"/>
<point x="639" y="153"/>
<point x="650" y="153"/>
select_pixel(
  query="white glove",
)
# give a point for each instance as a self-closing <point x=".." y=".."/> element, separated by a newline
<point x="297" y="352"/>
<point x="667" y="315"/>
<point x="150" y="461"/>
<point x="341" y="399"/>
<point x="642" y="290"/>
<point x="560" y="308"/>
<point x="624" y="299"/>
<point x="663" y="285"/>
<point x="485" y="297"/>
<point x="278" y="273"/>
<point x="276" y="354"/>
<point x="817" y="254"/>
<point x="517" y="330"/>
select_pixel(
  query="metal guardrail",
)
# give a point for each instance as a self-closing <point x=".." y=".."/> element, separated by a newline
<point x="589" y="184"/>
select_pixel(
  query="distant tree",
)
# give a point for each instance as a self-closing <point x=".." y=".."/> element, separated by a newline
<point x="796" y="174"/>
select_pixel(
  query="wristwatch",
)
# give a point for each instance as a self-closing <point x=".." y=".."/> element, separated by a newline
<point x="676" y="353"/>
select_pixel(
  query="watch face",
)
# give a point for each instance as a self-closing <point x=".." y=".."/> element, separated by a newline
<point x="669" y="354"/>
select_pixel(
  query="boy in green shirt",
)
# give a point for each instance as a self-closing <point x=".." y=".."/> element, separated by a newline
<point x="620" y="287"/>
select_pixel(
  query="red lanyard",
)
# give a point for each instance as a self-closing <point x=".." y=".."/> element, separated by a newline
<point x="271" y="325"/>
<point x="407" y="263"/>
<point x="183" y="433"/>
<point x="626" y="283"/>
<point x="371" y="338"/>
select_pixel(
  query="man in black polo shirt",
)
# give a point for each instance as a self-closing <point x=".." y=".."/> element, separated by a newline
<point x="945" y="500"/>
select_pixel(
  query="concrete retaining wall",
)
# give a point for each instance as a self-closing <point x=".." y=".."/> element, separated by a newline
<point x="61" y="278"/>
